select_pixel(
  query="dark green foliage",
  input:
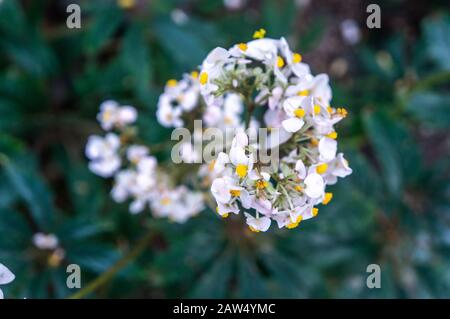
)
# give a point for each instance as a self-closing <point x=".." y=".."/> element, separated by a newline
<point x="394" y="210"/>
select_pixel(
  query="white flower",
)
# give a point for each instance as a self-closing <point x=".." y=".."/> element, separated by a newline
<point x="243" y="163"/>
<point x="315" y="186"/>
<point x="327" y="149"/>
<point x="124" y="182"/>
<point x="296" y="108"/>
<point x="113" y="115"/>
<point x="350" y="31"/>
<point x="224" y="188"/>
<point x="258" y="224"/>
<point x="6" y="276"/>
<point x="337" y="168"/>
<point x="103" y="154"/>
<point x="136" y="152"/>
<point x="233" y="4"/>
<point x="45" y="241"/>
<point x="169" y="116"/>
<point x="188" y="153"/>
<point x="300" y="168"/>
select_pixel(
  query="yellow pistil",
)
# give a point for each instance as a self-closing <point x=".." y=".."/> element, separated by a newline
<point x="228" y="120"/>
<point x="243" y="46"/>
<point x="203" y="78"/>
<point x="253" y="229"/>
<point x="341" y="111"/>
<point x="211" y="165"/>
<point x="332" y="135"/>
<point x="55" y="259"/>
<point x="303" y="93"/>
<point x="298" y="188"/>
<point x="294" y="224"/>
<point x="106" y="116"/>
<point x="235" y="192"/>
<point x="299" y="113"/>
<point x="126" y="4"/>
<point x="171" y="83"/>
<point x="280" y="62"/>
<point x="241" y="170"/>
<point x="297" y="58"/>
<point x="322" y="168"/>
<point x="261" y="184"/>
<point x="194" y="74"/>
<point x="316" y="109"/>
<point x="165" y="201"/>
<point x="259" y="34"/>
<point x="315" y="211"/>
<point x="327" y="198"/>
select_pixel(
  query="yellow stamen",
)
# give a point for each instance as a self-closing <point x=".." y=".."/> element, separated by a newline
<point x="341" y="111"/>
<point x="241" y="170"/>
<point x="316" y="109"/>
<point x="298" y="188"/>
<point x="332" y="135"/>
<point x="225" y="215"/>
<point x="314" y="142"/>
<point x="315" y="211"/>
<point x="211" y="165"/>
<point x="165" y="201"/>
<point x="106" y="116"/>
<point x="235" y="192"/>
<point x="259" y="34"/>
<point x="253" y="229"/>
<point x="194" y="74"/>
<point x="322" y="168"/>
<point x="203" y="78"/>
<point x="303" y="93"/>
<point x="330" y="109"/>
<point x="299" y="113"/>
<point x="297" y="58"/>
<point x="243" y="46"/>
<point x="171" y="83"/>
<point x="327" y="198"/>
<point x="261" y="184"/>
<point x="126" y="4"/>
<point x="294" y="224"/>
<point x="280" y="62"/>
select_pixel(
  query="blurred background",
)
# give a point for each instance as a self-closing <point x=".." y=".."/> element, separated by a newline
<point x="394" y="210"/>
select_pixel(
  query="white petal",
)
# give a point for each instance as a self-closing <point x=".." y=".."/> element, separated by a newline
<point x="301" y="169"/>
<point x="314" y="185"/>
<point x="293" y="124"/>
<point x="6" y="276"/>
<point x="327" y="148"/>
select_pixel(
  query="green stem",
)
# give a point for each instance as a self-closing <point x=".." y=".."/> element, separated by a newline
<point x="111" y="272"/>
<point x="432" y="80"/>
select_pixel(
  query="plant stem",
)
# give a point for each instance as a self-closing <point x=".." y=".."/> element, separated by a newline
<point x="114" y="269"/>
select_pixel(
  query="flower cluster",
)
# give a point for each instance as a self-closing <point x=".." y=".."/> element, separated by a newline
<point x="259" y="84"/>
<point x="6" y="276"/>
<point x="269" y="76"/>
<point x="136" y="173"/>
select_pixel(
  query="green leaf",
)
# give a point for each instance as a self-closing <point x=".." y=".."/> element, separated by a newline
<point x="380" y="130"/>
<point x="436" y="32"/>
<point x="184" y="46"/>
<point x="431" y="107"/>
<point x="32" y="188"/>
<point x="215" y="281"/>
<point x="106" y="20"/>
<point x="136" y="58"/>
